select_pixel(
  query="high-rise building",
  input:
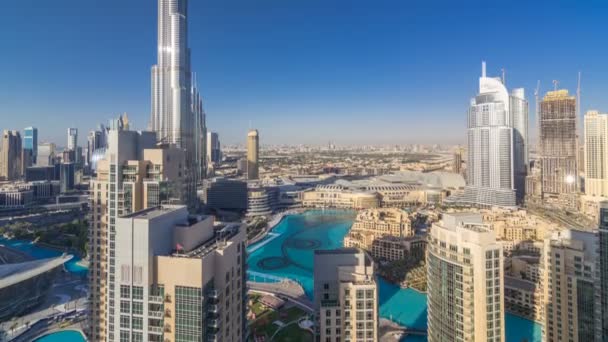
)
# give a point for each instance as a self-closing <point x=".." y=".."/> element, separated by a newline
<point x="46" y="154"/>
<point x="10" y="155"/>
<point x="214" y="152"/>
<point x="67" y="176"/>
<point x="253" y="151"/>
<point x="135" y="174"/>
<point x="179" y="278"/>
<point x="457" y="161"/>
<point x="72" y="139"/>
<point x="346" y="296"/>
<point x="490" y="179"/>
<point x="177" y="114"/>
<point x="94" y="142"/>
<point x="519" y="115"/>
<point x="572" y="300"/>
<point x="465" y="281"/>
<point x="557" y="119"/>
<point x="596" y="154"/>
<point x="30" y="141"/>
<point x="603" y="269"/>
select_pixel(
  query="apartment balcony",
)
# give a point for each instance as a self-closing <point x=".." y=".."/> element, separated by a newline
<point x="167" y="328"/>
<point x="213" y="337"/>
<point x="215" y="294"/>
<point x="214" y="308"/>
<point x="167" y="313"/>
<point x="155" y="314"/>
<point x="167" y="298"/>
<point x="214" y="323"/>
<point x="155" y="330"/>
<point x="155" y="299"/>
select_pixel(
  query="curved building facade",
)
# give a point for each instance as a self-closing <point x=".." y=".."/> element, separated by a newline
<point x="490" y="180"/>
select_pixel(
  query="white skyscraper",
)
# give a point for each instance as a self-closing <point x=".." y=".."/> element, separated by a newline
<point x="519" y="116"/>
<point x="596" y="154"/>
<point x="72" y="139"/>
<point x="177" y="116"/>
<point x="490" y="178"/>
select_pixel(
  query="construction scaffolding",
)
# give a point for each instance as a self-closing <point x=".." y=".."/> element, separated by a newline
<point x="558" y="144"/>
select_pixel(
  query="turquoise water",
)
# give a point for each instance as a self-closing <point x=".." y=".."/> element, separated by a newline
<point x="42" y="253"/>
<point x="289" y="254"/>
<point x="63" y="336"/>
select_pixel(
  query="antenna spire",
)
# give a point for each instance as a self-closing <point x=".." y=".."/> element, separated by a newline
<point x="504" y="79"/>
<point x="555" y="84"/>
<point x="483" y="68"/>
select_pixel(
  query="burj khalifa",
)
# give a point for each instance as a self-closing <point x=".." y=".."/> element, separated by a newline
<point x="177" y="114"/>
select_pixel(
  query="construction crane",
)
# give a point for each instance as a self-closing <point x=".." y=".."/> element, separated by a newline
<point x="555" y="84"/>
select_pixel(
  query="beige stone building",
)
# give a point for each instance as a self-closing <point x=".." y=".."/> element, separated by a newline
<point x="181" y="278"/>
<point x="465" y="281"/>
<point x="337" y="196"/>
<point x="346" y="296"/>
<point x="135" y="175"/>
<point x="571" y="296"/>
<point x="596" y="154"/>
<point x="10" y="155"/>
<point x="253" y="154"/>
<point x="386" y="233"/>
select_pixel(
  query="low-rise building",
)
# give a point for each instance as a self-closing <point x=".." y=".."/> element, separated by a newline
<point x="338" y="196"/>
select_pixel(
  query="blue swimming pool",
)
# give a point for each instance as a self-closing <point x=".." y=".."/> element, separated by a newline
<point x="63" y="336"/>
<point x="288" y="253"/>
<point x="42" y="253"/>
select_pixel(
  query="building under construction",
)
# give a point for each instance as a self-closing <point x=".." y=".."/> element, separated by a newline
<point x="558" y="144"/>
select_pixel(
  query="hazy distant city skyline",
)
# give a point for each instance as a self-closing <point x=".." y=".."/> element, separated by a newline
<point x="349" y="72"/>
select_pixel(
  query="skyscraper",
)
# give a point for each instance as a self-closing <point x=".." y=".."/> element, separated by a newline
<point x="557" y="119"/>
<point x="134" y="175"/>
<point x="490" y="180"/>
<point x="573" y="303"/>
<point x="465" y="281"/>
<point x="46" y="154"/>
<point x="72" y="139"/>
<point x="457" y="161"/>
<point x="94" y="142"/>
<point x="177" y="115"/>
<point x="214" y="152"/>
<point x="30" y="141"/>
<point x="180" y="278"/>
<point x="10" y="155"/>
<point x="596" y="154"/>
<point x="519" y="115"/>
<point x="603" y="269"/>
<point x="346" y="296"/>
<point x="253" y="150"/>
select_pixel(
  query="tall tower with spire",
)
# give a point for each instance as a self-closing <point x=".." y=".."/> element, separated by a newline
<point x="177" y="116"/>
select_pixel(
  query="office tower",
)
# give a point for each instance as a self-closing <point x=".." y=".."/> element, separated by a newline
<point x="214" y="152"/>
<point x="225" y="194"/>
<point x="67" y="175"/>
<point x="46" y="154"/>
<point x="177" y="116"/>
<point x="30" y="141"/>
<point x="94" y="142"/>
<point x="603" y="269"/>
<point x="490" y="146"/>
<point x="346" y="296"/>
<point x="27" y="157"/>
<point x="457" y="161"/>
<point x="596" y="153"/>
<point x="10" y="155"/>
<point x="134" y="175"/>
<point x="557" y="119"/>
<point x="253" y="150"/>
<point x="179" y="278"/>
<point x="519" y="114"/>
<point x="573" y="304"/>
<point x="465" y="281"/>
<point x="72" y="139"/>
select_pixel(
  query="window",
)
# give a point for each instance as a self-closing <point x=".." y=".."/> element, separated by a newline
<point x="138" y="292"/>
<point x="124" y="321"/>
<point x="125" y="291"/>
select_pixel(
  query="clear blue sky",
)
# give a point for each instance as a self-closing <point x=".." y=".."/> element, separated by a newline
<point x="302" y="71"/>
